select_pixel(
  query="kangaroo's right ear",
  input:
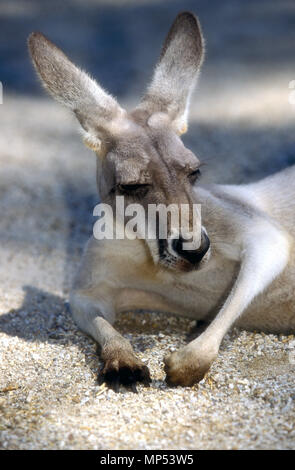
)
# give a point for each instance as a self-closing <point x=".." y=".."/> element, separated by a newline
<point x="97" y="111"/>
<point x="176" y="72"/>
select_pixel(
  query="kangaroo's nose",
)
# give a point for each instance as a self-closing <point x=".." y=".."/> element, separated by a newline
<point x="193" y="256"/>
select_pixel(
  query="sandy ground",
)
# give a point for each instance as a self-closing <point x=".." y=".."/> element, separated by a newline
<point x="242" y="127"/>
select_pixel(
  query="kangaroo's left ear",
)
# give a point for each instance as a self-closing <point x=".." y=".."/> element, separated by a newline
<point x="176" y="72"/>
<point x="98" y="112"/>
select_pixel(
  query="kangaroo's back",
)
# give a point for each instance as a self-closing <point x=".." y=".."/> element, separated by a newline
<point x="275" y="194"/>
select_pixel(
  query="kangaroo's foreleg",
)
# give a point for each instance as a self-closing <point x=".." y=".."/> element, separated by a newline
<point x="94" y="317"/>
<point x="264" y="255"/>
<point x="94" y="302"/>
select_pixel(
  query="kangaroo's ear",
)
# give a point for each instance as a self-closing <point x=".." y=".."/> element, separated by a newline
<point x="176" y="72"/>
<point x="97" y="111"/>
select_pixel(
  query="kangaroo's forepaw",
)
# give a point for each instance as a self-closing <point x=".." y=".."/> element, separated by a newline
<point x="187" y="366"/>
<point x="122" y="367"/>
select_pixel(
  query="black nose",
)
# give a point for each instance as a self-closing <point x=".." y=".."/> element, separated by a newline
<point x="193" y="256"/>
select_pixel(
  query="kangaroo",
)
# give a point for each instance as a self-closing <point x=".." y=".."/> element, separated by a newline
<point x="241" y="271"/>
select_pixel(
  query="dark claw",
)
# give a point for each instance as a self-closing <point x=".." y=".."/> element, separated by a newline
<point x="100" y="378"/>
<point x="143" y="375"/>
<point x="114" y="384"/>
<point x="113" y="380"/>
<point x="133" y="388"/>
<point x="125" y="376"/>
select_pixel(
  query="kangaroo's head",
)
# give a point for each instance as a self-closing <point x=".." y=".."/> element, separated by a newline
<point x="140" y="153"/>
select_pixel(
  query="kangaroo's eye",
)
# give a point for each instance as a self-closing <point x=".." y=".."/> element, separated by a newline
<point x="134" y="189"/>
<point x="194" y="175"/>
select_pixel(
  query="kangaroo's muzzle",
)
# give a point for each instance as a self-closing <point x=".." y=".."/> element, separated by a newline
<point x="193" y="256"/>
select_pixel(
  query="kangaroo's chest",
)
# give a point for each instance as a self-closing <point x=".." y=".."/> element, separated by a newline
<point x="200" y="293"/>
